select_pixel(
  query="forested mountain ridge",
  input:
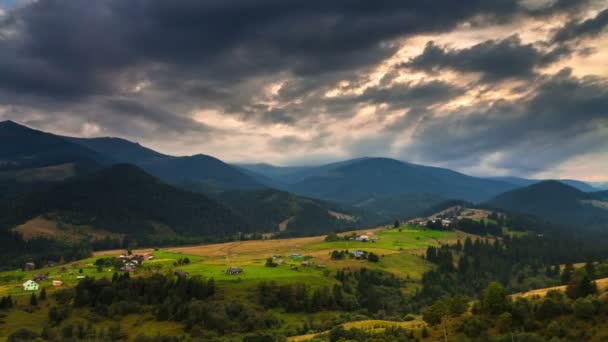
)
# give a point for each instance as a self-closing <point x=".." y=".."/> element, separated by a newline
<point x="556" y="202"/>
<point x="385" y="176"/>
<point x="198" y="172"/>
<point x="276" y="210"/>
<point x="22" y="147"/>
<point x="124" y="199"/>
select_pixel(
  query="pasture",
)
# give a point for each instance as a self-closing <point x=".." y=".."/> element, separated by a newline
<point x="400" y="252"/>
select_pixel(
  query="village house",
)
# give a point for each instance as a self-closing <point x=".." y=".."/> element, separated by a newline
<point x="357" y="254"/>
<point x="57" y="283"/>
<point x="293" y="267"/>
<point x="321" y="266"/>
<point x="30" y="285"/>
<point x="234" y="270"/>
<point x="305" y="263"/>
<point x="363" y="238"/>
<point x="296" y="255"/>
<point x="281" y="262"/>
<point x="29" y="266"/>
<point x="39" y="277"/>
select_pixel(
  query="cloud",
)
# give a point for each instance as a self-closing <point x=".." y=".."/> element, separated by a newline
<point x="299" y="81"/>
<point x="564" y="117"/>
<point x="574" y="30"/>
<point x="494" y="59"/>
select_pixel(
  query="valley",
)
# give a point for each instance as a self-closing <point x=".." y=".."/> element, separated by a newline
<point x="105" y="239"/>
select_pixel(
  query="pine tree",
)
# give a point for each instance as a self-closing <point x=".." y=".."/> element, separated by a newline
<point x="33" y="300"/>
<point x="567" y="273"/>
<point x="43" y="294"/>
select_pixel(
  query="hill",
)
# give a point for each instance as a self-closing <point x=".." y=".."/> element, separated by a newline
<point x="555" y="202"/>
<point x="521" y="182"/>
<point x="370" y="177"/>
<point x="124" y="199"/>
<point x="273" y="210"/>
<point x="403" y="206"/>
<point x="603" y="195"/>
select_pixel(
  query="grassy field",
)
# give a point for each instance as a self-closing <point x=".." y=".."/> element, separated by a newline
<point x="367" y="325"/>
<point x="400" y="253"/>
<point x="602" y="285"/>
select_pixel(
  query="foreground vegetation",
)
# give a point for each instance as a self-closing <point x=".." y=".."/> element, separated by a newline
<point x="403" y="283"/>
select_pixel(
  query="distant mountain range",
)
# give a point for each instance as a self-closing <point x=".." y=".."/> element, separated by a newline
<point x="558" y="203"/>
<point x="521" y="182"/>
<point x="337" y="195"/>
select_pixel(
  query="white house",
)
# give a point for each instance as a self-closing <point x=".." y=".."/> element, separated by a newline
<point x="30" y="285"/>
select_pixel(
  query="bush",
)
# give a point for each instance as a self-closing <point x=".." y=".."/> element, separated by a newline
<point x="585" y="308"/>
<point x="22" y="335"/>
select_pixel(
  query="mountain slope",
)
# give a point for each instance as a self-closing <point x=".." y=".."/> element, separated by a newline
<point x="521" y="182"/>
<point x="124" y="199"/>
<point x="294" y="174"/>
<point x="121" y="150"/>
<point x="22" y="147"/>
<point x="198" y="173"/>
<point x="555" y="202"/>
<point x="31" y="159"/>
<point x="388" y="177"/>
<point x="274" y="210"/>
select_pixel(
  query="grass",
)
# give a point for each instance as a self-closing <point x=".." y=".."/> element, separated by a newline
<point x="393" y="239"/>
<point x="368" y="325"/>
<point x="399" y="253"/>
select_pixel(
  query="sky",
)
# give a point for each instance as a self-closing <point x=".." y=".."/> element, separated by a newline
<point x="506" y="87"/>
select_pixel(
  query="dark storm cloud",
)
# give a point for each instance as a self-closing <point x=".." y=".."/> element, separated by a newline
<point x="406" y="95"/>
<point x="564" y="117"/>
<point x="494" y="59"/>
<point x="73" y="48"/>
<point x="582" y="29"/>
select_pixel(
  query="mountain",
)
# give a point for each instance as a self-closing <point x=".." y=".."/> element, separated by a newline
<point x="22" y="147"/>
<point x="275" y="210"/>
<point x="368" y="177"/>
<point x="293" y="174"/>
<point x="124" y="199"/>
<point x="199" y="172"/>
<point x="555" y="202"/>
<point x="31" y="159"/>
<point x="602" y="195"/>
<point x="403" y="206"/>
<point x="121" y="150"/>
<point x="521" y="182"/>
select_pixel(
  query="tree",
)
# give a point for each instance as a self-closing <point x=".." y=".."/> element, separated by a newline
<point x="437" y="314"/>
<point x="495" y="300"/>
<point x="590" y="268"/>
<point x="43" y="294"/>
<point x="373" y="257"/>
<point x="270" y="263"/>
<point x="332" y="237"/>
<point x="584" y="308"/>
<point x="580" y="285"/>
<point x="33" y="300"/>
<point x="458" y="305"/>
<point x="396" y="224"/>
<point x="567" y="273"/>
